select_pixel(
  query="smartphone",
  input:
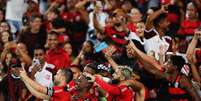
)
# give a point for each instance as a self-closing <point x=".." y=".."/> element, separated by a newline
<point x="101" y="46"/>
<point x="36" y="61"/>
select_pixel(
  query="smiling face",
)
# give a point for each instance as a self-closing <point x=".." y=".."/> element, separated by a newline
<point x="136" y="15"/>
<point x="68" y="48"/>
<point x="140" y="27"/>
<point x="52" y="41"/>
<point x="5" y="37"/>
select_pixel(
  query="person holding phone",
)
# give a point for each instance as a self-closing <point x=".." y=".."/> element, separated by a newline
<point x="40" y="70"/>
<point x="58" y="92"/>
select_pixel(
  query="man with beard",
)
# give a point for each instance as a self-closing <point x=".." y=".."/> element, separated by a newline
<point x="58" y="92"/>
<point x="118" y="30"/>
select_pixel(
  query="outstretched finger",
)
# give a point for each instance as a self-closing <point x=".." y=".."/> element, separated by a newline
<point x="23" y="66"/>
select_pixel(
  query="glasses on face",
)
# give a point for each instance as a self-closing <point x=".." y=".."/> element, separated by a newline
<point x="39" y="54"/>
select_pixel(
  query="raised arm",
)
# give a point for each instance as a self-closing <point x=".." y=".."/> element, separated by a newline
<point x="193" y="44"/>
<point x="111" y="89"/>
<point x="108" y="5"/>
<point x="35" y="92"/>
<point x="28" y="81"/>
<point x="80" y="6"/>
<point x="192" y="58"/>
<point x="53" y="5"/>
<point x="138" y="88"/>
<point x="108" y="55"/>
<point x="195" y="73"/>
<point x="150" y="64"/>
<point x="23" y="55"/>
<point x="77" y="60"/>
<point x="186" y="84"/>
<point x="97" y="26"/>
<point x="152" y="17"/>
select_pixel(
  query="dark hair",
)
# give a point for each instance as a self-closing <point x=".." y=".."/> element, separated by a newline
<point x="91" y="43"/>
<point x="160" y="18"/>
<point x="177" y="61"/>
<point x="7" y="24"/>
<point x="37" y="46"/>
<point x="34" y="16"/>
<point x="93" y="66"/>
<point x="10" y="38"/>
<point x="68" y="74"/>
<point x="53" y="33"/>
<point x="55" y="10"/>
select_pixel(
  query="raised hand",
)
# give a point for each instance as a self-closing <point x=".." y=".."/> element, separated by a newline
<point x="109" y="51"/>
<point x="23" y="72"/>
<point x="198" y="34"/>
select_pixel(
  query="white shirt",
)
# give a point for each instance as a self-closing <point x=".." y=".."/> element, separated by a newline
<point x="133" y="35"/>
<point x="44" y="77"/>
<point x="15" y="9"/>
<point x="154" y="43"/>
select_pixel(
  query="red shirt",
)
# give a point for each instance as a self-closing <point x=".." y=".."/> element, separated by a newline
<point x="117" y="37"/>
<point x="188" y="27"/>
<point x="120" y="92"/>
<point x="131" y="27"/>
<point x="60" y="94"/>
<point x="59" y="58"/>
<point x="87" y="96"/>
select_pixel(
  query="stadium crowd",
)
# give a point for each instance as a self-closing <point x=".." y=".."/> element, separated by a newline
<point x="100" y="50"/>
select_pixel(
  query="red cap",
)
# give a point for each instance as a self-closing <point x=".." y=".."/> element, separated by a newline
<point x="164" y="2"/>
